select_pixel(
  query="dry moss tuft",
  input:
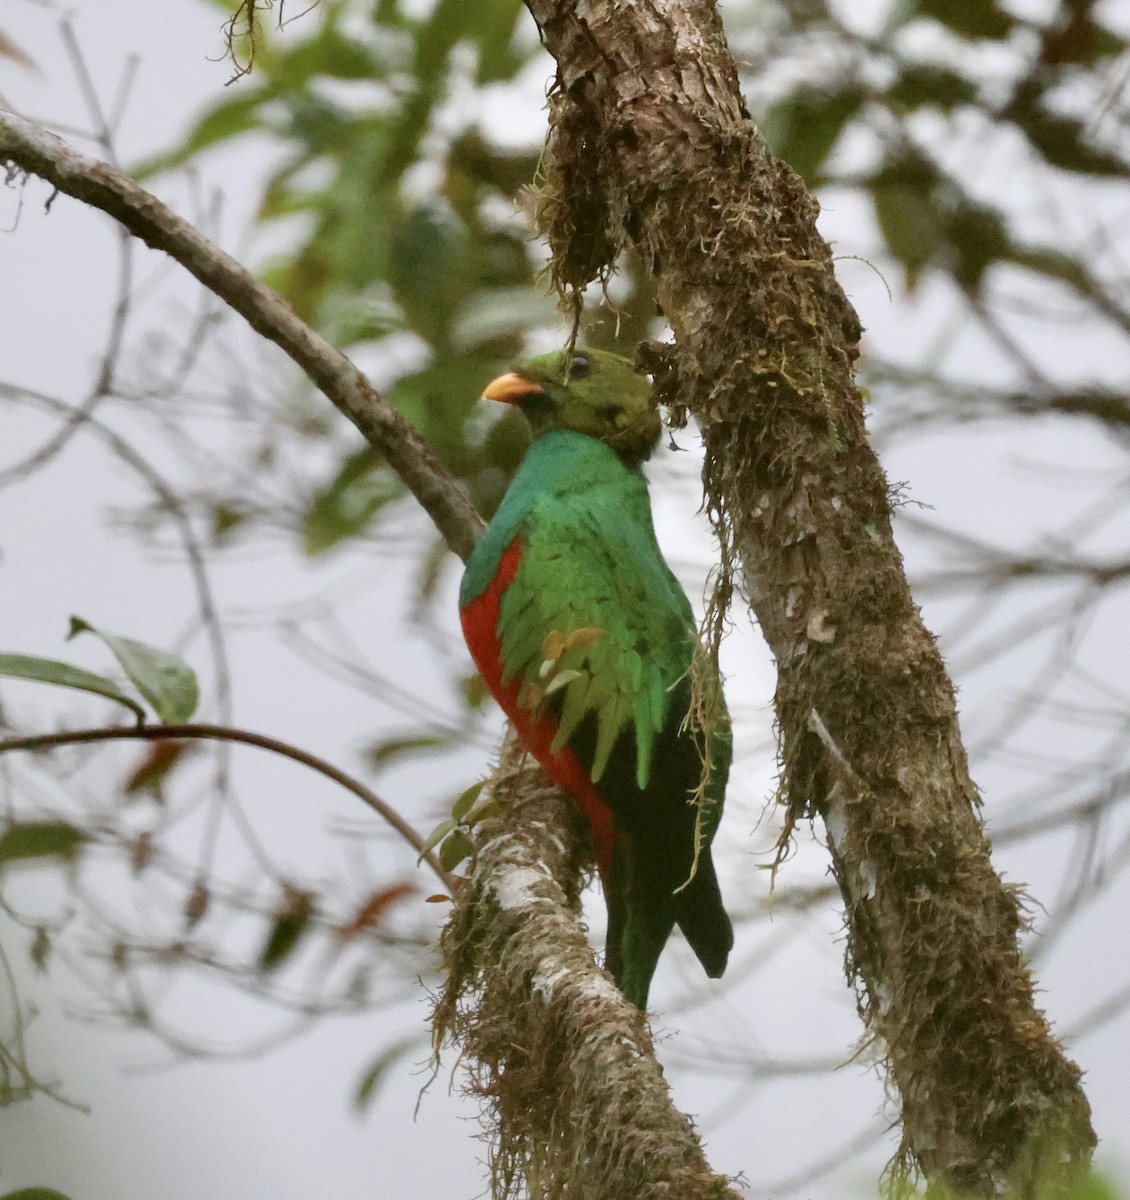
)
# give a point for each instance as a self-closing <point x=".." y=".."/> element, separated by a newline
<point x="575" y="1102"/>
<point x="242" y="32"/>
<point x="574" y="205"/>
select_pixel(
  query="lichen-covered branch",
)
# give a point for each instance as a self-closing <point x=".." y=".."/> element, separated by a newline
<point x="651" y="147"/>
<point x="579" y="1105"/>
<point x="26" y="147"/>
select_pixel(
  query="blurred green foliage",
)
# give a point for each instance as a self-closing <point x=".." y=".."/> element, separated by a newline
<point x="403" y="219"/>
<point x="404" y="213"/>
<point x="991" y="73"/>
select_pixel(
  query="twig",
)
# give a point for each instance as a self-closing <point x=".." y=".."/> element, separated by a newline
<point x="222" y="733"/>
<point x="83" y="417"/>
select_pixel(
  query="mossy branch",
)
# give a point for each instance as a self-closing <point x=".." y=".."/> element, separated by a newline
<point x="651" y="146"/>
<point x="577" y="1101"/>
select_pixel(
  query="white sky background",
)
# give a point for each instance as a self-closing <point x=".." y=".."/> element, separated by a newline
<point x="282" y="1126"/>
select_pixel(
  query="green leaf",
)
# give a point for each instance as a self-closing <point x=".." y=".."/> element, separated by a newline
<point x="909" y="226"/>
<point x="167" y="682"/>
<point x="369" y="1083"/>
<point x="346" y="508"/>
<point x="34" y="1193"/>
<point x="474" y="164"/>
<point x="329" y="52"/>
<point x="1081" y="41"/>
<point x="927" y="84"/>
<point x="474" y="691"/>
<point x="905" y="195"/>
<point x="1055" y="264"/>
<point x="462" y="805"/>
<point x="350" y="317"/>
<point x="439" y="399"/>
<point x="436" y="836"/>
<point x="429" y="269"/>
<point x="804" y="128"/>
<point x="492" y="313"/>
<point x="433" y="41"/>
<point x="40" y="839"/>
<point x="456" y="847"/>
<point x="1062" y="141"/>
<point x="48" y="670"/>
<point x="495" y="25"/>
<point x="226" y="519"/>
<point x="291" y="922"/>
<point x="970" y="18"/>
<point x="395" y="747"/>
<point x="223" y="121"/>
<point x="978" y="237"/>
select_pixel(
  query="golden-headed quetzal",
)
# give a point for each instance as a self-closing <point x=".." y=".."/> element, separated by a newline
<point x="585" y="638"/>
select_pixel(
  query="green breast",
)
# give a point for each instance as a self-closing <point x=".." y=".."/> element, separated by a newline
<point x="560" y="469"/>
<point x="593" y="622"/>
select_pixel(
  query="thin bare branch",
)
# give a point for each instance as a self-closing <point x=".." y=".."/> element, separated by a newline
<point x="223" y="733"/>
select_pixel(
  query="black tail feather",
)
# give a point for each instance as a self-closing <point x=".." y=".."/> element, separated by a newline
<point x="703" y="920"/>
<point x="657" y="829"/>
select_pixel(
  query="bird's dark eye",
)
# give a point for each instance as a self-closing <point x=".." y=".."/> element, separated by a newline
<point x="580" y="366"/>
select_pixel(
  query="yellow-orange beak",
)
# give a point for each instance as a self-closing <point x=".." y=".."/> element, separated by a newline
<point x="510" y="387"/>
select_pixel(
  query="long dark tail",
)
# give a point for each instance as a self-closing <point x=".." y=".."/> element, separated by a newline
<point x="652" y="855"/>
<point x="641" y="914"/>
<point x="703" y="920"/>
<point x="643" y="908"/>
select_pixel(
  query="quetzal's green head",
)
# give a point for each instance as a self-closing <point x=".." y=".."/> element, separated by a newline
<point x="597" y="393"/>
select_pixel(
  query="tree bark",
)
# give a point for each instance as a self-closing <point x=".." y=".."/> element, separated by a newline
<point x="651" y="147"/>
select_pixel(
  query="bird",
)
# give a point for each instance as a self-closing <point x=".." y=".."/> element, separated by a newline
<point x="585" y="638"/>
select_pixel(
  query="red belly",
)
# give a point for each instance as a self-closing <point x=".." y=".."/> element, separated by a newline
<point x="480" y="628"/>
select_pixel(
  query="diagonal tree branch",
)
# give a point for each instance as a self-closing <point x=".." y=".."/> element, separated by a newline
<point x="27" y="147"/>
<point x="651" y="146"/>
